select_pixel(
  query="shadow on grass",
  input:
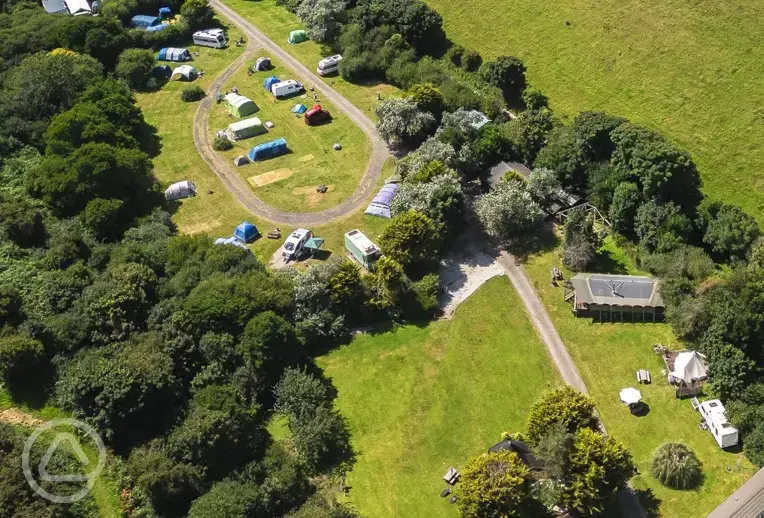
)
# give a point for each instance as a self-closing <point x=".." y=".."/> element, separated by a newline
<point x="604" y="262"/>
<point x="544" y="240"/>
<point x="649" y="501"/>
<point x="35" y="392"/>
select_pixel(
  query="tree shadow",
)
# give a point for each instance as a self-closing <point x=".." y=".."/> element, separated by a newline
<point x="543" y="241"/>
<point x="34" y="392"/>
<point x="649" y="501"/>
<point x="604" y="262"/>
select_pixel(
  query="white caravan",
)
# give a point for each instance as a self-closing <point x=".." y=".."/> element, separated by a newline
<point x="293" y="246"/>
<point x="214" y="38"/>
<point x="724" y="433"/>
<point x="286" y="88"/>
<point x="328" y="65"/>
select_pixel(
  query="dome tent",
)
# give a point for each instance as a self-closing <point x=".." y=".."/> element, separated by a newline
<point x="184" y="73"/>
<point x="162" y="71"/>
<point x="299" y="108"/>
<point x="179" y="190"/>
<point x="263" y="64"/>
<point x="245" y="128"/>
<point x="297" y="36"/>
<point x="246" y="232"/>
<point x="174" y="54"/>
<point x="240" y="106"/>
<point x="270" y="81"/>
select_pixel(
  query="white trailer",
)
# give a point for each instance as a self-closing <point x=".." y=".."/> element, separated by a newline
<point x="714" y="415"/>
<point x="286" y="88"/>
<point x="328" y="65"/>
<point x="293" y="246"/>
<point x="214" y="38"/>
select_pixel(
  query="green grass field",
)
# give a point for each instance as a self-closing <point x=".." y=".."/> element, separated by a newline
<point x="422" y="399"/>
<point x="276" y="22"/>
<point x="311" y="161"/>
<point x="693" y="70"/>
<point x="608" y="355"/>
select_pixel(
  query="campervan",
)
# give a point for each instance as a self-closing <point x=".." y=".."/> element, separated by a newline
<point x="293" y="246"/>
<point x="316" y="115"/>
<point x="214" y="38"/>
<point x="362" y="249"/>
<point x="286" y="88"/>
<point x="329" y="65"/>
<point x="715" y="417"/>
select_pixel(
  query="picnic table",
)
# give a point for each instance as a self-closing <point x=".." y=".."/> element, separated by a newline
<point x="643" y="376"/>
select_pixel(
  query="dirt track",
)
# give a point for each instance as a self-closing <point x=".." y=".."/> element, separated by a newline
<point x="234" y="182"/>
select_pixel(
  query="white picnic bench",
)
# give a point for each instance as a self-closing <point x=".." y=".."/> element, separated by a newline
<point x="643" y="376"/>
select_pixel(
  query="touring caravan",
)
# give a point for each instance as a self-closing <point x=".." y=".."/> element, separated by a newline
<point x="362" y="249"/>
<point x="715" y="417"/>
<point x="293" y="246"/>
<point x="329" y="65"/>
<point x="286" y="88"/>
<point x="214" y="38"/>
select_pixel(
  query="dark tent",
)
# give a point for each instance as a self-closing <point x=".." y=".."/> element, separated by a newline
<point x="162" y="71"/>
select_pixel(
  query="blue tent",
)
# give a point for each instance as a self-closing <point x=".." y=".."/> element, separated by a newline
<point x="173" y="54"/>
<point x="157" y="28"/>
<point x="270" y="81"/>
<point x="165" y="13"/>
<point x="268" y="150"/>
<point x="299" y="108"/>
<point x="142" y="21"/>
<point x="246" y="232"/>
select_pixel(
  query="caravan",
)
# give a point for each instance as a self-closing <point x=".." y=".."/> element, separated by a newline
<point x="294" y="245"/>
<point x="328" y="65"/>
<point x="715" y="417"/>
<point x="286" y="88"/>
<point x="214" y="38"/>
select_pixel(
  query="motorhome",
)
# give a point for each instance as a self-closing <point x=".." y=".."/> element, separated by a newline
<point x="715" y="417"/>
<point x="214" y="38"/>
<point x="293" y="246"/>
<point x="329" y="65"/>
<point x="286" y="88"/>
<point x="362" y="249"/>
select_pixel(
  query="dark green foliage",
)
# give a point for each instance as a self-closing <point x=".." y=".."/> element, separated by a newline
<point x="427" y="98"/>
<point x="592" y="132"/>
<point x="21" y="359"/>
<point x="102" y="217"/>
<point x="346" y="288"/>
<point x="623" y="210"/>
<point x="219" y="433"/>
<point x="411" y="240"/>
<point x="457" y="94"/>
<point x="454" y="54"/>
<point x="676" y="466"/>
<point x="528" y="133"/>
<point x="419" y="25"/>
<point x="222" y="144"/>
<point x="728" y="231"/>
<point x="298" y="394"/>
<point x="228" y="499"/>
<point x="494" y="484"/>
<point x="563" y="405"/>
<point x="753" y="446"/>
<point x="135" y="66"/>
<point x="493" y="144"/>
<point x="282" y="478"/>
<point x="429" y="171"/>
<point x="662" y="227"/>
<point x="10" y="306"/>
<point x="21" y="221"/>
<point x="195" y="93"/>
<point x="471" y="60"/>
<point x="534" y="99"/>
<point x="170" y="487"/>
<point x="197" y="13"/>
<point x="506" y="73"/>
<point x="581" y="241"/>
<point x="684" y="261"/>
<point x="561" y="155"/>
<point x="126" y="389"/>
<point x="729" y="372"/>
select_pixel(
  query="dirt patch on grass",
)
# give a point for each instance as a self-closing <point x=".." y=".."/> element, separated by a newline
<point x="17" y="417"/>
<point x="199" y="228"/>
<point x="311" y="198"/>
<point x="306" y="158"/>
<point x="270" y="177"/>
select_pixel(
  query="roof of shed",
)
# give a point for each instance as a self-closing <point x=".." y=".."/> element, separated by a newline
<point x="617" y="290"/>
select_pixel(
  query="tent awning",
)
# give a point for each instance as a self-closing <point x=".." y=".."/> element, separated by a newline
<point x="314" y="243"/>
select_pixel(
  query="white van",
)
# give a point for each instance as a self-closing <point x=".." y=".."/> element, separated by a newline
<point x="329" y="65"/>
<point x="286" y="88"/>
<point x="214" y="38"/>
<point x="293" y="246"/>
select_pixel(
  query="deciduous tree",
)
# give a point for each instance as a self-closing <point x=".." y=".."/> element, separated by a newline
<point x="494" y="484"/>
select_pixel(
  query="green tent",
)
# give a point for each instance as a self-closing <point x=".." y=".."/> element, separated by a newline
<point x="245" y="129"/>
<point x="240" y="106"/>
<point x="297" y="36"/>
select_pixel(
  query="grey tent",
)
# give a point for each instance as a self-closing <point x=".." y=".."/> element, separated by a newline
<point x="151" y="83"/>
<point x="380" y="205"/>
<point x="240" y="161"/>
<point x="263" y="64"/>
<point x="179" y="190"/>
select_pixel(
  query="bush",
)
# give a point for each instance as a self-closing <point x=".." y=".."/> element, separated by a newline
<point x="676" y="466"/>
<point x="20" y="359"/>
<point x="454" y="54"/>
<point x="564" y="405"/>
<point x="135" y="66"/>
<point x="494" y="484"/>
<point x="534" y="99"/>
<point x="192" y="94"/>
<point x="471" y="60"/>
<point x="222" y="144"/>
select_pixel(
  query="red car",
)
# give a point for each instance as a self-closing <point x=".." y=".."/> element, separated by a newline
<point x="315" y="115"/>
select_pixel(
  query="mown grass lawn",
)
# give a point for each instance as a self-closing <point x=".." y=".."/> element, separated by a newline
<point x="694" y="70"/>
<point x="608" y="355"/>
<point x="421" y="399"/>
<point x="311" y="161"/>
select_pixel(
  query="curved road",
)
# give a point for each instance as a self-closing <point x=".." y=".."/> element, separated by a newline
<point x="235" y="183"/>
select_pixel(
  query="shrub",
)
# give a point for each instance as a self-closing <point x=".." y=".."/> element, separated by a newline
<point x="454" y="54"/>
<point x="564" y="405"/>
<point x="222" y="144"/>
<point x="494" y="484"/>
<point x="192" y="94"/>
<point x="471" y="60"/>
<point x="534" y="99"/>
<point x="676" y="466"/>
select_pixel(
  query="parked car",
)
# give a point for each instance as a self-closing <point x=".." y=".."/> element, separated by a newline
<point x="293" y="246"/>
<point x="315" y="115"/>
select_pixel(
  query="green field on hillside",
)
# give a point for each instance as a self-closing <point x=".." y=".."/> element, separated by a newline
<point x="694" y="70"/>
<point x="288" y="182"/>
<point x="608" y="356"/>
<point x="422" y="399"/>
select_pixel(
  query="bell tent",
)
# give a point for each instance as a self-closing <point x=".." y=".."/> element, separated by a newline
<point x="689" y="366"/>
<point x="184" y="73"/>
<point x="179" y="190"/>
<point x="246" y="232"/>
<point x="297" y="36"/>
<point x="174" y="54"/>
<point x="268" y="150"/>
<point x="270" y="81"/>
<point x="263" y="64"/>
<point x="240" y="106"/>
<point x="245" y="128"/>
